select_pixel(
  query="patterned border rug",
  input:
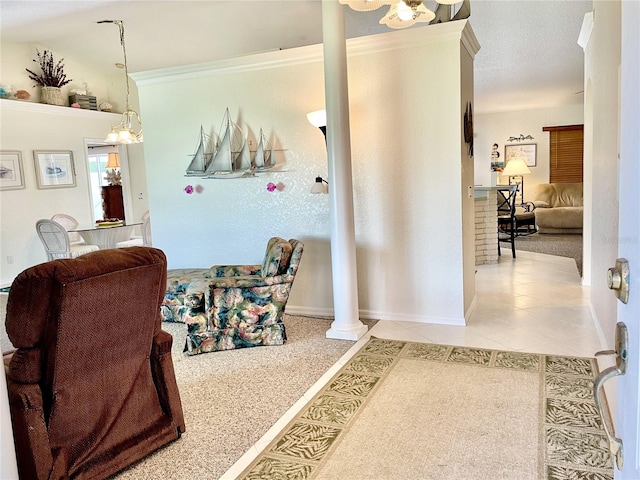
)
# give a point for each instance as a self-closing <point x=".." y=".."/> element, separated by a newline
<point x="424" y="411"/>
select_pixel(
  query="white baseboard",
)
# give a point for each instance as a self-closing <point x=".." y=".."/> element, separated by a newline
<point x="376" y="315"/>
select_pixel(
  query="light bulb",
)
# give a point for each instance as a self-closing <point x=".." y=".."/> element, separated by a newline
<point x="317" y="118"/>
<point x="112" y="136"/>
<point x="404" y="12"/>
<point x="124" y="134"/>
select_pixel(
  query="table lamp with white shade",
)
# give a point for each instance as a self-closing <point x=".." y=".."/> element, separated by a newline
<point x="515" y="169"/>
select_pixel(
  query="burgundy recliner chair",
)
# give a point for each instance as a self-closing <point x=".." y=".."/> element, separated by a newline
<point x="91" y="383"/>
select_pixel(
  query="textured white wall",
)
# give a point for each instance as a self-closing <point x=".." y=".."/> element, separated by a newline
<point x="406" y="144"/>
<point x="29" y="127"/>
<point x="602" y="60"/>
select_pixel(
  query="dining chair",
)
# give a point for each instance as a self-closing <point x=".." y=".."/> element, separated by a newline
<point x="513" y="220"/>
<point x="507" y="195"/>
<point x="56" y="241"/>
<point x="69" y="223"/>
<point x="144" y="240"/>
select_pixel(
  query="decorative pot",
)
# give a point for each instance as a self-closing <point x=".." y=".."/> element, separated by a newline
<point x="51" y="96"/>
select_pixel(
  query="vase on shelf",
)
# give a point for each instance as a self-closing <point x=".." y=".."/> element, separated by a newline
<point x="51" y="96"/>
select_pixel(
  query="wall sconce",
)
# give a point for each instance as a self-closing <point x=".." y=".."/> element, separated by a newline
<point x="320" y="187"/>
<point x="319" y="119"/>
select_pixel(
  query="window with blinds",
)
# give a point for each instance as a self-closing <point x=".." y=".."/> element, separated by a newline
<point x="566" y="145"/>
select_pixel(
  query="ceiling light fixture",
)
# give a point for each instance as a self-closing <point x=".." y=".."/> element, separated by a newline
<point x="124" y="132"/>
<point x="401" y="14"/>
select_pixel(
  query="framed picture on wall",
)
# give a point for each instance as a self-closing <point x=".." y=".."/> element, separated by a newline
<point x="527" y="152"/>
<point x="11" y="173"/>
<point x="54" y="168"/>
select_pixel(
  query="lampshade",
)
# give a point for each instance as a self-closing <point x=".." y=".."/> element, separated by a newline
<point x="516" y="166"/>
<point x="318" y="118"/>
<point x="320" y="186"/>
<point x="114" y="160"/>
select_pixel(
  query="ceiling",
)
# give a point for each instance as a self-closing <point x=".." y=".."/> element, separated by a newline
<point x="529" y="56"/>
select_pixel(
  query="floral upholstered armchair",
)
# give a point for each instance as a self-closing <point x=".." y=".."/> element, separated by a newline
<point x="228" y="307"/>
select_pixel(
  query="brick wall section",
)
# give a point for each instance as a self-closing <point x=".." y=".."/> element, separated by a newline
<point x="486" y="229"/>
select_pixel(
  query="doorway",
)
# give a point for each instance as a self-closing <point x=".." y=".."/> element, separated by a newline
<point x="102" y="195"/>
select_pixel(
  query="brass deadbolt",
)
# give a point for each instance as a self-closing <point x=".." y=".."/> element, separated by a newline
<point x="618" y="279"/>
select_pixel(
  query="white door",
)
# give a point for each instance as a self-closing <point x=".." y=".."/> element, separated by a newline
<point x="628" y="401"/>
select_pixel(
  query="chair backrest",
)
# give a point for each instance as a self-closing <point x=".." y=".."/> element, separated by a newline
<point x="506" y="196"/>
<point x="296" y="255"/>
<point x="276" y="257"/>
<point x="146" y="230"/>
<point x="84" y="339"/>
<point x="55" y="239"/>
<point x="69" y="223"/>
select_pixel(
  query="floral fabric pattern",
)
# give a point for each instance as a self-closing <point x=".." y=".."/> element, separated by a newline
<point x="184" y="298"/>
<point x="228" y="307"/>
<point x="276" y="258"/>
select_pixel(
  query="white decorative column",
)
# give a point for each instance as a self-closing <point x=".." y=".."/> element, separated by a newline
<point x="347" y="325"/>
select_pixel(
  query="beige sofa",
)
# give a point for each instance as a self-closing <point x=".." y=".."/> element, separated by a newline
<point x="559" y="207"/>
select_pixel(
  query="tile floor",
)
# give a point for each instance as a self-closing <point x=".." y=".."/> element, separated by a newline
<point x="534" y="303"/>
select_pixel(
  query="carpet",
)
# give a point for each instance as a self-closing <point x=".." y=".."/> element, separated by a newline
<point x="230" y="399"/>
<point x="402" y="410"/>
<point x="558" y="245"/>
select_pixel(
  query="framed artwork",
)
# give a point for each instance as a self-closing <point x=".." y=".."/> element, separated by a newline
<point x="527" y="152"/>
<point x="11" y="172"/>
<point x="54" y="168"/>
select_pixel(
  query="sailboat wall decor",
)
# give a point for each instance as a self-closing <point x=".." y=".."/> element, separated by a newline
<point x="201" y="158"/>
<point x="231" y="156"/>
<point x="264" y="158"/>
<point x="224" y="162"/>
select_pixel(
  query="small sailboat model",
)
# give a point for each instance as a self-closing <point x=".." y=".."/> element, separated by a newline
<point x="229" y="160"/>
<point x="264" y="158"/>
<point x="201" y="158"/>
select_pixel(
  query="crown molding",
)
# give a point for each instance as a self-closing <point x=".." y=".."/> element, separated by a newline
<point x="398" y="39"/>
<point x="586" y="30"/>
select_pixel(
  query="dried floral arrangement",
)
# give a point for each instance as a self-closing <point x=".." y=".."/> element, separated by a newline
<point x="114" y="177"/>
<point x="52" y="73"/>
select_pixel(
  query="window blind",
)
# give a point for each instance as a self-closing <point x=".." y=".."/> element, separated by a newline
<point x="566" y="146"/>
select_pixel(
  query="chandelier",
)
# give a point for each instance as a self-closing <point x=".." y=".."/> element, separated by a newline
<point x="401" y="14"/>
<point x="124" y="131"/>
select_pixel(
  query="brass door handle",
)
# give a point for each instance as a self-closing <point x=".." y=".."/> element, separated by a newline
<point x="621" y="350"/>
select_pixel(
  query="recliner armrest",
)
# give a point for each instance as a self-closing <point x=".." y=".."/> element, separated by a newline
<point x="218" y="271"/>
<point x="30" y="428"/>
<point x="249" y="281"/>
<point x="162" y="369"/>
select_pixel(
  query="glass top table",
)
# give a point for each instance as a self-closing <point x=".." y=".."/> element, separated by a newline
<point x="106" y="236"/>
